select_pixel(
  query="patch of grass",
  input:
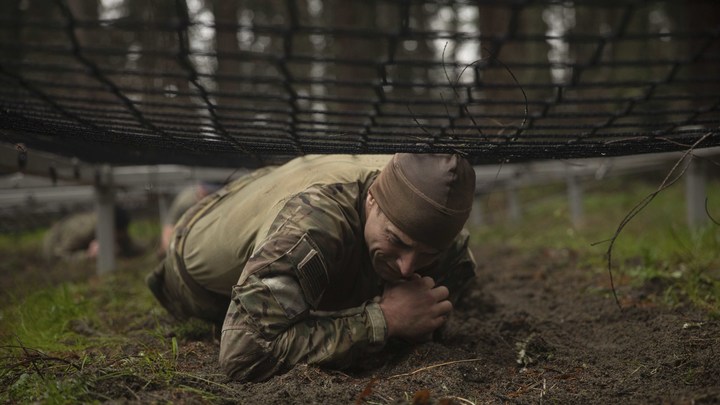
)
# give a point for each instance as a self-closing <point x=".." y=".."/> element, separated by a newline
<point x="655" y="246"/>
<point x="19" y="251"/>
<point x="194" y="329"/>
<point x="23" y="241"/>
<point x="95" y="339"/>
<point x="44" y="319"/>
<point x="145" y="231"/>
<point x="31" y="387"/>
<point x="70" y="377"/>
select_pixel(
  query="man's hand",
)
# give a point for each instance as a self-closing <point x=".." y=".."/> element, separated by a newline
<point x="414" y="308"/>
<point x="93" y="249"/>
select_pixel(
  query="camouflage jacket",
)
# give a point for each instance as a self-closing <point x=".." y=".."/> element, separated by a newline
<point x="69" y="238"/>
<point x="292" y="242"/>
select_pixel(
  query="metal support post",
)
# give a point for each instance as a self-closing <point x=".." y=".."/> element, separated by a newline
<point x="695" y="193"/>
<point x="163" y="206"/>
<point x="477" y="216"/>
<point x="105" y="230"/>
<point x="575" y="198"/>
<point x="513" y="201"/>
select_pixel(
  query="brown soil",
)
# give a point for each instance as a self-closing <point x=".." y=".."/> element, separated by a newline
<point x="534" y="328"/>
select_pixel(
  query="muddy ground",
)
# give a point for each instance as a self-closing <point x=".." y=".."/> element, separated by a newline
<point x="534" y="328"/>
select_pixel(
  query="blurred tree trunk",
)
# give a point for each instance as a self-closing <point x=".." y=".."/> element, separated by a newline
<point x="231" y="76"/>
<point x="596" y="21"/>
<point x="703" y="17"/>
<point x="12" y="26"/>
<point x="83" y="10"/>
<point x="355" y="15"/>
<point x="301" y="46"/>
<point x="493" y="26"/>
<point x="532" y="23"/>
<point x="424" y="50"/>
<point x="163" y="80"/>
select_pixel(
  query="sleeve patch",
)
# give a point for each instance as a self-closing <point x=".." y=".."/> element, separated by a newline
<point x="311" y="270"/>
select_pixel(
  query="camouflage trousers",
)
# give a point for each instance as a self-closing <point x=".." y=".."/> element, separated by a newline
<point x="183" y="299"/>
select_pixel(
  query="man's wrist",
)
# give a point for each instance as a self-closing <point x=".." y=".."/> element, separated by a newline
<point x="378" y="325"/>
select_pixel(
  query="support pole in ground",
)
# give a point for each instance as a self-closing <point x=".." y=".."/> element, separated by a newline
<point x="477" y="216"/>
<point x="513" y="201"/>
<point x="575" y="197"/>
<point x="163" y="197"/>
<point x="105" y="230"/>
<point x="163" y="206"/>
<point x="695" y="193"/>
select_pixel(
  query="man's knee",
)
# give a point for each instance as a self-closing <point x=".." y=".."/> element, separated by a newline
<point x="158" y="285"/>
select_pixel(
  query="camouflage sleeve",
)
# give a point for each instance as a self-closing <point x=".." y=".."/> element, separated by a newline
<point x="69" y="239"/>
<point x="272" y="322"/>
<point x="262" y="337"/>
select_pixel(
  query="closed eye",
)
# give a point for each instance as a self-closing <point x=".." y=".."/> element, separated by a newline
<point x="397" y="241"/>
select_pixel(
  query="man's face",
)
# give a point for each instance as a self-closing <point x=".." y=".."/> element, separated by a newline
<point x="395" y="256"/>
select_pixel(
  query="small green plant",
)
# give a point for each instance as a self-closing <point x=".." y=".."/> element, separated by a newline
<point x="194" y="329"/>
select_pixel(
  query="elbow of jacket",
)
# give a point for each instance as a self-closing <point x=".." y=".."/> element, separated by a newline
<point x="243" y="358"/>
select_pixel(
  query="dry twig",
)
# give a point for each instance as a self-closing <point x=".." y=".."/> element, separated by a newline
<point x="431" y="367"/>
<point x="667" y="182"/>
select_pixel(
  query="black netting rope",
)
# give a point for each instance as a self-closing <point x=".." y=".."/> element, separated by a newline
<point x="634" y="77"/>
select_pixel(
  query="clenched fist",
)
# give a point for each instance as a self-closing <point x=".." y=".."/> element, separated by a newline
<point x="414" y="308"/>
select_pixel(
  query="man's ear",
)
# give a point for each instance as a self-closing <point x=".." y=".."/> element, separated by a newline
<point x="370" y="204"/>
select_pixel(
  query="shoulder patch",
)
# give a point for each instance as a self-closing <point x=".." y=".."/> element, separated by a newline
<point x="311" y="270"/>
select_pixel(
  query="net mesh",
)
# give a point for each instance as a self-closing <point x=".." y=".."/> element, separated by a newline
<point x="257" y="82"/>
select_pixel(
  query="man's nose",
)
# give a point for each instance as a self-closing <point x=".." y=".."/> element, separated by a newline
<point x="407" y="264"/>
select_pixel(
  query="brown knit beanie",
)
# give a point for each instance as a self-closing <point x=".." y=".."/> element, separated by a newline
<point x="427" y="196"/>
